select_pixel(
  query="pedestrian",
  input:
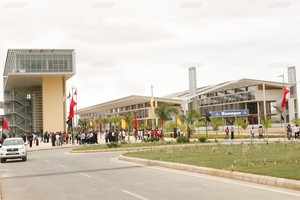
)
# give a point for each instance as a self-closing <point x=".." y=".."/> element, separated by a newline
<point x="30" y="140"/>
<point x="297" y="130"/>
<point x="232" y="133"/>
<point x="252" y="133"/>
<point x="226" y="133"/>
<point x="288" y="131"/>
<point x="260" y="132"/>
<point x="53" y="138"/>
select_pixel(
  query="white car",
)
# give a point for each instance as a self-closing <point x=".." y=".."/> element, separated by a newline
<point x="13" y="148"/>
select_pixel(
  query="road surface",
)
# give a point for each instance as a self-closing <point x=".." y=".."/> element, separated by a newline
<point x="59" y="175"/>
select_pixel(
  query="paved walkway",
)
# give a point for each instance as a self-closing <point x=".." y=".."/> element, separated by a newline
<point x="44" y="146"/>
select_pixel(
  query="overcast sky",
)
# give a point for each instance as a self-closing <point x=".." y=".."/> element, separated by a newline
<point x="125" y="46"/>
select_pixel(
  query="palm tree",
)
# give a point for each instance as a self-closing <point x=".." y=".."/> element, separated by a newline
<point x="105" y="121"/>
<point x="200" y="123"/>
<point x="296" y="121"/>
<point x="128" y="118"/>
<point x="116" y="121"/>
<point x="216" y="123"/>
<point x="164" y="112"/>
<point x="266" y="122"/>
<point x="83" y="125"/>
<point x="189" y="118"/>
<point x="240" y="121"/>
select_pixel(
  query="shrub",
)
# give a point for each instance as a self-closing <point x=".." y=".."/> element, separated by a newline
<point x="182" y="139"/>
<point x="113" y="144"/>
<point x="154" y="139"/>
<point x="202" y="139"/>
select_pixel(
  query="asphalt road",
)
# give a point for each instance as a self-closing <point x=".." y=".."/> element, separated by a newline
<point x="59" y="175"/>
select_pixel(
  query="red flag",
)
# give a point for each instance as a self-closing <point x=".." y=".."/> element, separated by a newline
<point x="72" y="105"/>
<point x="135" y="122"/>
<point x="4" y="124"/>
<point x="285" y="91"/>
<point x="161" y="121"/>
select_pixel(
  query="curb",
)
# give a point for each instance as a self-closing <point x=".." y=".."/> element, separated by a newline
<point x="264" y="180"/>
<point x="140" y="148"/>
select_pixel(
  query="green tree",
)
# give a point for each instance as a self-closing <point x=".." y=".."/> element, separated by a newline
<point x="296" y="121"/>
<point x="266" y="123"/>
<point x="164" y="112"/>
<point x="128" y="118"/>
<point x="240" y="121"/>
<point x="189" y="118"/>
<point x="105" y="121"/>
<point x="83" y="125"/>
<point x="200" y="123"/>
<point x="116" y="121"/>
<point x="170" y="126"/>
<point x="216" y="122"/>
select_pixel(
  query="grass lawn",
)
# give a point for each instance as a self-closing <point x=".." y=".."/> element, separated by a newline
<point x="129" y="145"/>
<point x="278" y="159"/>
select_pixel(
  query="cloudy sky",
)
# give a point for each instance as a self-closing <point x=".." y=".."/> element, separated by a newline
<point x="125" y="46"/>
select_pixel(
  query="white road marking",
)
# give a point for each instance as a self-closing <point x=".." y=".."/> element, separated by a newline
<point x="220" y="179"/>
<point x="135" y="195"/>
<point x="82" y="174"/>
<point x="60" y="165"/>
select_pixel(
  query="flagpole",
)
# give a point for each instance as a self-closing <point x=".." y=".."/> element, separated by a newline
<point x="284" y="109"/>
<point x="152" y="108"/>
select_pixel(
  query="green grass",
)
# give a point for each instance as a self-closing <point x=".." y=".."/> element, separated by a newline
<point x="129" y="145"/>
<point x="278" y="160"/>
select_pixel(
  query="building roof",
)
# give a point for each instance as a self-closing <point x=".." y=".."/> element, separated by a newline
<point x="12" y="79"/>
<point x="126" y="101"/>
<point x="185" y="95"/>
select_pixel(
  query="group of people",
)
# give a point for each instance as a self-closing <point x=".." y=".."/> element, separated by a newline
<point x="252" y="132"/>
<point x="289" y="132"/>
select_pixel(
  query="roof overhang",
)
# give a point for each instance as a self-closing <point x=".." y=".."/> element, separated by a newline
<point x="126" y="101"/>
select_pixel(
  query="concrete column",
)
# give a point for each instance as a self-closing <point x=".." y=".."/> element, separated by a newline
<point x="53" y="104"/>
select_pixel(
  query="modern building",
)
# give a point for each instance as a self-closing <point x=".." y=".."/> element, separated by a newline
<point x="249" y="98"/>
<point x="139" y="105"/>
<point x="34" y="85"/>
<point x="246" y="97"/>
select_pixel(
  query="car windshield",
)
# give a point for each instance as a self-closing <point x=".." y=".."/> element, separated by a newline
<point x="12" y="142"/>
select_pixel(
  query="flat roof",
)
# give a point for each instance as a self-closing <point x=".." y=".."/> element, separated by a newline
<point x="126" y="101"/>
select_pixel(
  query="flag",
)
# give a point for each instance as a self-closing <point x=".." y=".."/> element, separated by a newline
<point x="135" y="122"/>
<point x="153" y="109"/>
<point x="161" y="121"/>
<point x="4" y="124"/>
<point x="285" y="92"/>
<point x="252" y="118"/>
<point x="178" y="121"/>
<point x="69" y="122"/>
<point x="123" y="124"/>
<point x="69" y="95"/>
<point x="207" y="117"/>
<point x="72" y="105"/>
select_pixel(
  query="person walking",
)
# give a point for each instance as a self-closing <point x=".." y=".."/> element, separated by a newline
<point x="260" y="132"/>
<point x="252" y="133"/>
<point x="297" y="130"/>
<point x="232" y="133"/>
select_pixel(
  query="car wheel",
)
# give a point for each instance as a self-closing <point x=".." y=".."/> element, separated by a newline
<point x="3" y="160"/>
<point x="24" y="158"/>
